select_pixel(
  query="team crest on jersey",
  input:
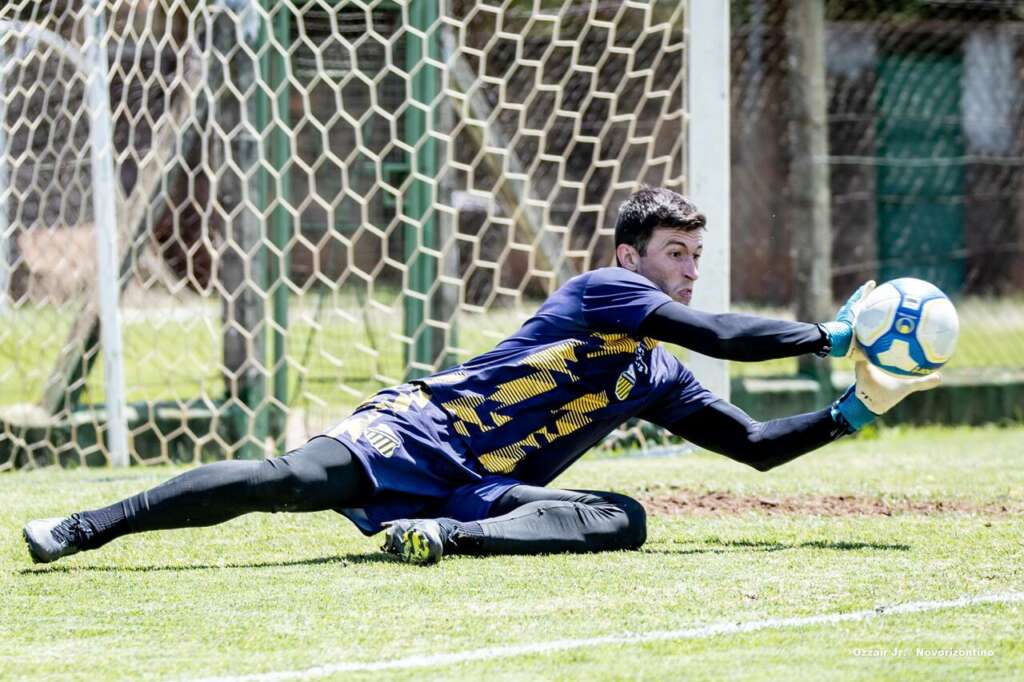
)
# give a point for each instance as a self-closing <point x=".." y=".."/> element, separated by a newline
<point x="624" y="384"/>
<point x="627" y="380"/>
<point x="382" y="439"/>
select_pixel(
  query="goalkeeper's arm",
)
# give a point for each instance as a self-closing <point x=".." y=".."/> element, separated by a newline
<point x="733" y="336"/>
<point x="750" y="338"/>
<point x="726" y="429"/>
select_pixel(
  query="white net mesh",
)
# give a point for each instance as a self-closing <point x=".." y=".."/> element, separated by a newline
<point x="313" y="199"/>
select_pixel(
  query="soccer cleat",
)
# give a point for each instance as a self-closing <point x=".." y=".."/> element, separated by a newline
<point x="51" y="539"/>
<point x="416" y="541"/>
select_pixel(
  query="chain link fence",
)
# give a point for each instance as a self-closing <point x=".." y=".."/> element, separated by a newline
<point x="922" y="109"/>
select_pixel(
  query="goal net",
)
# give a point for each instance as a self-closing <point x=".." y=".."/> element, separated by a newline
<point x="313" y="200"/>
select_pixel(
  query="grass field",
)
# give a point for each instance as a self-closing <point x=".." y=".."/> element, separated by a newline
<point x="903" y="517"/>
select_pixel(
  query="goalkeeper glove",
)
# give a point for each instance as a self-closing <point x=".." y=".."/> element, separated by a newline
<point x="840" y="330"/>
<point x="875" y="393"/>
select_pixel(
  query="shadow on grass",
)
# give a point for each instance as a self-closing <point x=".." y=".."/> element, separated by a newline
<point x="723" y="546"/>
<point x="767" y="546"/>
<point x="717" y="547"/>
<point x="342" y="561"/>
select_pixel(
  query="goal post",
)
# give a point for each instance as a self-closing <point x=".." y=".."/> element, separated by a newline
<point x="709" y="162"/>
<point x="106" y="229"/>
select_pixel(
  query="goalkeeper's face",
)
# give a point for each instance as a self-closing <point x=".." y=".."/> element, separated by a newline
<point x="671" y="260"/>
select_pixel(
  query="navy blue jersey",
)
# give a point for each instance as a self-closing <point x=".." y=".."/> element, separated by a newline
<point x="573" y="372"/>
<point x="454" y="442"/>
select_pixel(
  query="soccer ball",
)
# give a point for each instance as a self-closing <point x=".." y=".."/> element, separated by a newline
<point x="908" y="327"/>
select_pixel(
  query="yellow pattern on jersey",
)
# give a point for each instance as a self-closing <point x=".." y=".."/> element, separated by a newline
<point x="555" y="358"/>
<point x="588" y="403"/>
<point x="518" y="390"/>
<point x="504" y="460"/>
<point x="569" y="422"/>
<point x="464" y="408"/>
<point x="571" y="417"/>
<point x="614" y="344"/>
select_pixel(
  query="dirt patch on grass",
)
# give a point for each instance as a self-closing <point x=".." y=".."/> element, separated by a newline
<point x="720" y="503"/>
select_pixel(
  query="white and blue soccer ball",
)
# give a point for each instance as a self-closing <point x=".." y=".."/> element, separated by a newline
<point x="908" y="327"/>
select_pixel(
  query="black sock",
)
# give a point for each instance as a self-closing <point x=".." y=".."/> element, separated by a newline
<point x="460" y="534"/>
<point x="100" y="526"/>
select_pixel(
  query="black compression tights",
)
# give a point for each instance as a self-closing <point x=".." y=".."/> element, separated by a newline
<point x="320" y="475"/>
<point x="323" y="475"/>
<point x="534" y="520"/>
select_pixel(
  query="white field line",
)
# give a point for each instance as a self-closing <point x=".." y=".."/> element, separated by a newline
<point x="702" y="632"/>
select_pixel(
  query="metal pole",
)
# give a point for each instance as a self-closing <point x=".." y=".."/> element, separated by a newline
<point x="420" y="230"/>
<point x="809" y="191"/>
<point x="107" y="271"/>
<point x="707" y="83"/>
<point x="273" y="114"/>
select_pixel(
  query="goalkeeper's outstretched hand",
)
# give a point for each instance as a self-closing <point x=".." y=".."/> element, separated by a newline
<point x="840" y="330"/>
<point x="876" y="392"/>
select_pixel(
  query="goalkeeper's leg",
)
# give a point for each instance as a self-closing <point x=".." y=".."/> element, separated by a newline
<point x="533" y="520"/>
<point x="527" y="520"/>
<point x="323" y="474"/>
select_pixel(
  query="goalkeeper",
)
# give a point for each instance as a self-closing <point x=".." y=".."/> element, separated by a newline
<point x="457" y="463"/>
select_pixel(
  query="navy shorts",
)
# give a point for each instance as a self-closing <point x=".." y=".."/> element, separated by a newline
<point x="418" y="466"/>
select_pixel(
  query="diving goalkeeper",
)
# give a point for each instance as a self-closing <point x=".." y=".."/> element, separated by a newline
<point x="458" y="462"/>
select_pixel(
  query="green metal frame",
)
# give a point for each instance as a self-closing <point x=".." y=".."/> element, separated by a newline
<point x="421" y="229"/>
<point x="270" y="270"/>
<point x="275" y="65"/>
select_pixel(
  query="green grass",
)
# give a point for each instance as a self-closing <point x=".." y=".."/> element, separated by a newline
<point x="288" y="592"/>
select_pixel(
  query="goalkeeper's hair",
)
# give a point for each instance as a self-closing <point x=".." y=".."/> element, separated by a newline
<point x="650" y="208"/>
